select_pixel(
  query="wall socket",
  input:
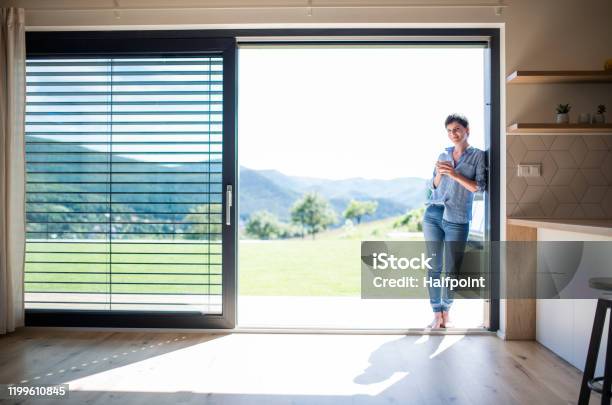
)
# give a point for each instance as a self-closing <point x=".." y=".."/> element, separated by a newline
<point x="529" y="170"/>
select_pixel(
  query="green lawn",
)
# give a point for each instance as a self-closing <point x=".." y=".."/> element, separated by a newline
<point x="299" y="267"/>
<point x="328" y="265"/>
<point x="188" y="268"/>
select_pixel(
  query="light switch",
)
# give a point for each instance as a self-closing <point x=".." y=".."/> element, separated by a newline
<point x="534" y="170"/>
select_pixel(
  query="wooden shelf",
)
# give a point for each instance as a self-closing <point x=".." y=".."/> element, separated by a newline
<point x="558" y="129"/>
<point x="592" y="226"/>
<point x="559" y="76"/>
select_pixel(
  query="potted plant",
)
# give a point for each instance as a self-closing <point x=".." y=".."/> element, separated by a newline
<point x="563" y="113"/>
<point x="600" y="118"/>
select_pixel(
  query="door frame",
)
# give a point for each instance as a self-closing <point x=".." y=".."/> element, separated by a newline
<point x="59" y="43"/>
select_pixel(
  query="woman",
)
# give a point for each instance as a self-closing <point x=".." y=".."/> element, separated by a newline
<point x="458" y="174"/>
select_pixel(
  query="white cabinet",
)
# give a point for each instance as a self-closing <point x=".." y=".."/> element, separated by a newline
<point x="554" y="325"/>
<point x="564" y="325"/>
<point x="584" y="311"/>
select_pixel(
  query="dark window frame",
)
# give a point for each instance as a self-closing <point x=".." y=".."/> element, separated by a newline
<point x="181" y="42"/>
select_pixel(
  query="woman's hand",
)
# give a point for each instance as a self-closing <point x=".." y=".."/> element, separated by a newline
<point x="444" y="167"/>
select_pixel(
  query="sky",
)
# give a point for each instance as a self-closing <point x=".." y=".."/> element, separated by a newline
<point x="317" y="111"/>
<point x="371" y="112"/>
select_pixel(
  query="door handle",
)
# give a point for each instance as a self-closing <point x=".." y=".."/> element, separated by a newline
<point x="228" y="205"/>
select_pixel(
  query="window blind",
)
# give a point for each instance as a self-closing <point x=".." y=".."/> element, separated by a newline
<point x="124" y="183"/>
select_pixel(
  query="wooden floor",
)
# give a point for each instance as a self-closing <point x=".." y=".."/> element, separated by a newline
<point x="188" y="368"/>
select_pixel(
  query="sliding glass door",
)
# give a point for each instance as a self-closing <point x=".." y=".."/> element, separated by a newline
<point x="130" y="165"/>
<point x="132" y="214"/>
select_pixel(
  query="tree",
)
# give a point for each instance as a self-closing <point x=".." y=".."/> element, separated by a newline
<point x="413" y="220"/>
<point x="263" y="225"/>
<point x="289" y="230"/>
<point x="357" y="209"/>
<point x="203" y="220"/>
<point x="313" y="213"/>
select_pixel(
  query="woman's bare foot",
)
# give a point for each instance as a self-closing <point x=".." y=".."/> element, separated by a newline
<point x="437" y="321"/>
<point x="446" y="323"/>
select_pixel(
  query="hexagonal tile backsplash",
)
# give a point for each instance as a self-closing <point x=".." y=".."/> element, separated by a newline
<point x="576" y="179"/>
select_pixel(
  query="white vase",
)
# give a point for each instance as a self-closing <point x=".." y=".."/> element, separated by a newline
<point x="562" y="118"/>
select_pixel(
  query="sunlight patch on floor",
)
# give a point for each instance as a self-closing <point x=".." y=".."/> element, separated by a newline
<point x="263" y="364"/>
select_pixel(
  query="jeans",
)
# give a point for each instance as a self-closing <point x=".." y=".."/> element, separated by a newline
<point x="445" y="242"/>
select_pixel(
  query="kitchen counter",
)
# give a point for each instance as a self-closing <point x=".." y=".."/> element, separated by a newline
<point x="601" y="227"/>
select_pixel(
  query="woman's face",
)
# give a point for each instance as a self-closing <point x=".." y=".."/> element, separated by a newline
<point x="457" y="133"/>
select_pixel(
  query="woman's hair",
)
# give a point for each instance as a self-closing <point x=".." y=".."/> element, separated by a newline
<point x="458" y="118"/>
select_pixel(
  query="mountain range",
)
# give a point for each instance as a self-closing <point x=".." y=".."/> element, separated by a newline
<point x="51" y="175"/>
<point x="276" y="192"/>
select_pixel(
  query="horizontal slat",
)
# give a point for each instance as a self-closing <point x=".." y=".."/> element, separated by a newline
<point x="140" y="213"/>
<point x="139" y="263"/>
<point x="126" y="73"/>
<point x="115" y="303"/>
<point x="113" y="113"/>
<point x="116" y="103"/>
<point x="124" y="93"/>
<point x="127" y="83"/>
<point x="168" y="62"/>
<point x="124" y="223"/>
<point x="124" y="122"/>
<point x="128" y="253"/>
<point x="127" y="192"/>
<point x="125" y="243"/>
<point x="122" y="153"/>
<point x="85" y="143"/>
<point x="124" y="293"/>
<point x="114" y="283"/>
<point x="147" y="133"/>
<point x="124" y="273"/>
<point x="211" y="162"/>
<point x="121" y="182"/>
<point x="126" y="233"/>
<point x="99" y="203"/>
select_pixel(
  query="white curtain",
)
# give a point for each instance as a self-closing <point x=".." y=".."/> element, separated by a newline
<point x="12" y="167"/>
